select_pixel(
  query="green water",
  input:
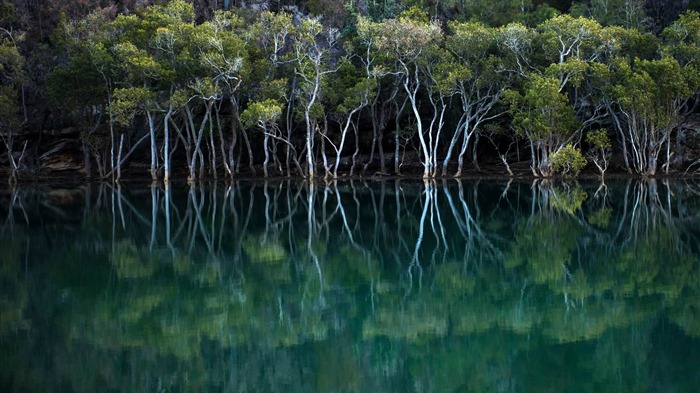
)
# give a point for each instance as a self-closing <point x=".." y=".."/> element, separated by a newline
<point x="351" y="287"/>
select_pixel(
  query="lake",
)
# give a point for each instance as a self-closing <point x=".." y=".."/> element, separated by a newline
<point x="394" y="286"/>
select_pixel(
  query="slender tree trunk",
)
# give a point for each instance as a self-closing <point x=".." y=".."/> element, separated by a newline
<point x="356" y="154"/>
<point x="154" y="146"/>
<point x="198" y="143"/>
<point x="166" y="155"/>
<point x="412" y="93"/>
<point x="250" y="151"/>
<point x="266" y="148"/>
<point x="453" y="143"/>
<point x="397" y="136"/>
<point x="119" y="158"/>
<point x="212" y="148"/>
<point x="343" y="135"/>
<point x="309" y="143"/>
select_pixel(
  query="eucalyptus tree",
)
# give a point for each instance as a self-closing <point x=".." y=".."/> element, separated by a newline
<point x="142" y="72"/>
<point x="206" y="62"/>
<point x="383" y="103"/>
<point x="172" y="43"/>
<point x="542" y="116"/>
<point x="83" y="81"/>
<point x="682" y="43"/>
<point x="649" y="97"/>
<point x="409" y="41"/>
<point x="269" y="74"/>
<point x="572" y="49"/>
<point x="264" y="115"/>
<point x="480" y="85"/>
<point x="349" y="91"/>
<point x="626" y="13"/>
<point x="647" y="89"/>
<point x="203" y="63"/>
<point x="313" y="48"/>
<point x="11" y="80"/>
<point x="147" y="49"/>
<point x="244" y="60"/>
<point x="600" y="150"/>
<point x="560" y="97"/>
<point x="444" y="77"/>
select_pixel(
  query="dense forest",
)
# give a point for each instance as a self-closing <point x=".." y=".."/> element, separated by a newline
<point x="224" y="89"/>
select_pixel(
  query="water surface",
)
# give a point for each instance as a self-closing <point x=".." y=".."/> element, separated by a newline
<point x="351" y="287"/>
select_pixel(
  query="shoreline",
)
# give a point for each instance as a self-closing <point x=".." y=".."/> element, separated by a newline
<point x="486" y="173"/>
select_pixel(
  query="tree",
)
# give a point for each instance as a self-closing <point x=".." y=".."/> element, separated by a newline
<point x="83" y="85"/>
<point x="351" y="90"/>
<point x="480" y="86"/>
<point x="647" y="99"/>
<point x="568" y="161"/>
<point x="626" y="13"/>
<point x="265" y="116"/>
<point x="226" y="57"/>
<point x="409" y="41"/>
<point x="386" y="90"/>
<point x="573" y="49"/>
<point x="313" y="46"/>
<point x="270" y="78"/>
<point x="682" y="42"/>
<point x="543" y="116"/>
<point x="11" y="80"/>
<point x="600" y="150"/>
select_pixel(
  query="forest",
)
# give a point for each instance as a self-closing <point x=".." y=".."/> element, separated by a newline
<point x="224" y="90"/>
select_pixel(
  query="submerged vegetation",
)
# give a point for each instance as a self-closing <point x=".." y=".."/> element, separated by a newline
<point x="371" y="87"/>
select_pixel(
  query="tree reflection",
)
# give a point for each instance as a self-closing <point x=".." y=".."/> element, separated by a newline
<point x="408" y="286"/>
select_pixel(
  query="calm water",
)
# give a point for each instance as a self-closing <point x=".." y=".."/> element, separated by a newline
<point x="352" y="287"/>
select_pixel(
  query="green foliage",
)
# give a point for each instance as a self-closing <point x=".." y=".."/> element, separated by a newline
<point x="11" y="78"/>
<point x="540" y="14"/>
<point x="496" y="13"/>
<point x="415" y="14"/>
<point x="543" y="112"/>
<point x="8" y="13"/>
<point x="627" y="13"/>
<point x="14" y="295"/>
<point x="261" y="113"/>
<point x="651" y="89"/>
<point x="568" y="161"/>
<point x="128" y="102"/>
<point x="559" y="74"/>
<point x="564" y="37"/>
<point x="599" y="139"/>
<point x="600" y="149"/>
<point x="129" y="264"/>
<point x="333" y="12"/>
<point x="682" y="39"/>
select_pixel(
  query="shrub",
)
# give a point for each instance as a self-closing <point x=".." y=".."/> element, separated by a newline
<point x="568" y="161"/>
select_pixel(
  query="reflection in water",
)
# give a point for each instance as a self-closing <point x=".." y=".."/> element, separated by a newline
<point x="351" y="286"/>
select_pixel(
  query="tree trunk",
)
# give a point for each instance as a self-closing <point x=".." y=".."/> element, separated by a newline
<point x="154" y="147"/>
<point x="266" y="148"/>
<point x="166" y="155"/>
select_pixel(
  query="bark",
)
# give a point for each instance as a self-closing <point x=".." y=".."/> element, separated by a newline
<point x="154" y="147"/>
